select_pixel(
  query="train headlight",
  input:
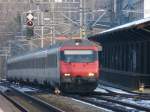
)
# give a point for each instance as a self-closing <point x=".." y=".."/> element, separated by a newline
<point x="77" y="43"/>
<point x="91" y="74"/>
<point x="66" y="74"/>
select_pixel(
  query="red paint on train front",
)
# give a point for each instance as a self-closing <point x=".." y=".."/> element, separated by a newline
<point x="80" y="69"/>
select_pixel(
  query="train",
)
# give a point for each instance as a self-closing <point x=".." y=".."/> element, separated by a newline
<point x="69" y="65"/>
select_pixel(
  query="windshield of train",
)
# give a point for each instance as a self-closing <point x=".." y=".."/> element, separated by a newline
<point x="79" y="55"/>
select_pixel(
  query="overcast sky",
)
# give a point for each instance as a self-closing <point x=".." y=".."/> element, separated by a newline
<point x="146" y="8"/>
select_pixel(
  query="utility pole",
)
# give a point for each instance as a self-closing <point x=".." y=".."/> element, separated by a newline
<point x="38" y="15"/>
<point x="9" y="47"/>
<point x="53" y="22"/>
<point x="82" y="19"/>
<point x="40" y="22"/>
<point x="42" y="30"/>
<point x="42" y="26"/>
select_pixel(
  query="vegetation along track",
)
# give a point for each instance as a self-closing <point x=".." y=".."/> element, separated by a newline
<point x="29" y="103"/>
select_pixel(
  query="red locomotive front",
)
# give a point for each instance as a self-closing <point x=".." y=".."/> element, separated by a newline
<point x="79" y="68"/>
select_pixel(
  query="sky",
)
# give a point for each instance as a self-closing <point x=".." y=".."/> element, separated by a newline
<point x="146" y="8"/>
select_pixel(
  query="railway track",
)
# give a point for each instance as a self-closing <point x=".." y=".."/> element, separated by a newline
<point x="107" y="87"/>
<point x="135" y="106"/>
<point x="122" y="99"/>
<point x="113" y="101"/>
<point x="107" y="100"/>
<point x="112" y="104"/>
<point x="26" y="103"/>
<point x="114" y="94"/>
<point x="126" y="94"/>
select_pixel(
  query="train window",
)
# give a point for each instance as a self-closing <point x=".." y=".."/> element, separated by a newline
<point x="40" y="62"/>
<point x="52" y="60"/>
<point x="78" y="52"/>
<point x="9" y="66"/>
<point x="79" y="55"/>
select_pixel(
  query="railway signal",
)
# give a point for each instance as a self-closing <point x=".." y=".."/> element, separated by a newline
<point x="30" y="18"/>
<point x="30" y="24"/>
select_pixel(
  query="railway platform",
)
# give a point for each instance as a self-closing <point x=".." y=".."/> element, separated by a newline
<point x="6" y="106"/>
<point x="125" y="56"/>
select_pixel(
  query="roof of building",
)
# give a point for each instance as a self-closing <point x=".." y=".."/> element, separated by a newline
<point x="135" y="30"/>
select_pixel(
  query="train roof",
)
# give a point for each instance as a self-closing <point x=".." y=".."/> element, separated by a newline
<point x="43" y="51"/>
<point x="82" y="42"/>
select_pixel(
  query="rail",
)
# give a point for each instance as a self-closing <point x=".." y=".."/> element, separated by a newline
<point x="17" y="105"/>
<point x="39" y="102"/>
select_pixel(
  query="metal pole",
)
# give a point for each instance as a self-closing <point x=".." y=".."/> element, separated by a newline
<point x="30" y="44"/>
<point x="81" y="19"/>
<point x="22" y="25"/>
<point x="84" y="14"/>
<point x="42" y="30"/>
<point x="9" y="47"/>
<point x="29" y="4"/>
<point x="51" y="32"/>
<point x="53" y="22"/>
<point x="38" y="15"/>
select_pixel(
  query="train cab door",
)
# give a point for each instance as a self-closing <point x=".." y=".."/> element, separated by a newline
<point x="52" y="69"/>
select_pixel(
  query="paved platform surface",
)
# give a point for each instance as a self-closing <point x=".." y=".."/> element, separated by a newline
<point x="6" y="106"/>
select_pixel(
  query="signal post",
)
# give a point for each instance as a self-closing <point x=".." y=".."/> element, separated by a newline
<point x="30" y="24"/>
